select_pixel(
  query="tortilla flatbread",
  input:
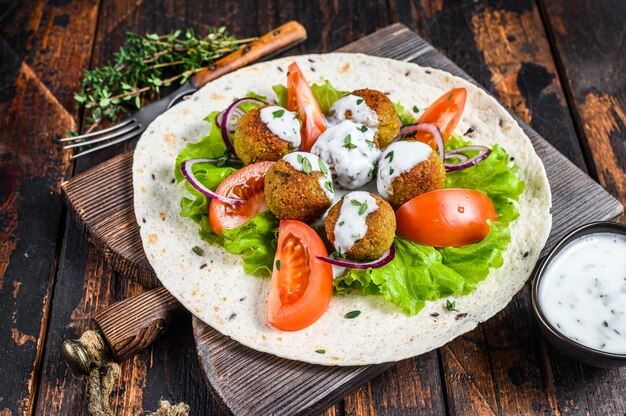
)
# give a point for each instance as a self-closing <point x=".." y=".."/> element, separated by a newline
<point x="215" y="288"/>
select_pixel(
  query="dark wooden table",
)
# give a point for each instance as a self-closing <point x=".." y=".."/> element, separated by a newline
<point x="559" y="64"/>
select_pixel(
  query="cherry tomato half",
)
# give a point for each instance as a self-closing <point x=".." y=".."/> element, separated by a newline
<point x="248" y="184"/>
<point x="446" y="217"/>
<point x="300" y="98"/>
<point x="301" y="285"/>
<point x="445" y="113"/>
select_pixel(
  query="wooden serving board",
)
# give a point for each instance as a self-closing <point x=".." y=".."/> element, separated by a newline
<point x="251" y="382"/>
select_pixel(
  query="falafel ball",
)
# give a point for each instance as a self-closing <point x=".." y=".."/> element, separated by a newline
<point x="407" y="169"/>
<point x="299" y="187"/>
<point x="361" y="225"/>
<point x="372" y="108"/>
<point x="266" y="134"/>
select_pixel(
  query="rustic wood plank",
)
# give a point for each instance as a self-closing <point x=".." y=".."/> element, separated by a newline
<point x="35" y="111"/>
<point x="589" y="45"/>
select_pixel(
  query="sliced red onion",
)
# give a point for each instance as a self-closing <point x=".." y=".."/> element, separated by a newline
<point x="483" y="154"/>
<point x="186" y="169"/>
<point x="429" y="128"/>
<point x="230" y="117"/>
<point x="380" y="262"/>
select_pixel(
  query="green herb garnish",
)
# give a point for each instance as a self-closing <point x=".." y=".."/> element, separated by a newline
<point x="352" y="314"/>
<point x="320" y="351"/>
<point x="341" y="223"/>
<point x="322" y="166"/>
<point x="347" y="143"/>
<point x="389" y="156"/>
<point x="359" y="101"/>
<point x="363" y="128"/>
<point x="197" y="250"/>
<point x="391" y="171"/>
<point x="451" y="306"/>
<point x="278" y="113"/>
<point x="329" y="186"/>
<point x="278" y="265"/>
<point x="306" y="165"/>
<point x="450" y="96"/>
<point x="415" y="109"/>
<point x="605" y="323"/>
<point x="370" y="143"/>
<point x="145" y="64"/>
<point x="362" y="205"/>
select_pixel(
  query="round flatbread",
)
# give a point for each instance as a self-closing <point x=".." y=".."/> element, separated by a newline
<point x="214" y="286"/>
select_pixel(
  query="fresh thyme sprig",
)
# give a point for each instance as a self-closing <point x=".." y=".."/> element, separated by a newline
<point x="144" y="65"/>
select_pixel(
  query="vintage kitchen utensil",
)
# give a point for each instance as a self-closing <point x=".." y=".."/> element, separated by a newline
<point x="239" y="374"/>
<point x="273" y="42"/>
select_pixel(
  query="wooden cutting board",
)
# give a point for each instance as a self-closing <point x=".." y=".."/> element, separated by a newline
<point x="254" y="383"/>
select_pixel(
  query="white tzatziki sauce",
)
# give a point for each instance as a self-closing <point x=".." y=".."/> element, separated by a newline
<point x="360" y="112"/>
<point x="351" y="226"/>
<point x="398" y="158"/>
<point x="307" y="162"/>
<point x="350" y="152"/>
<point x="582" y="292"/>
<point x="283" y="123"/>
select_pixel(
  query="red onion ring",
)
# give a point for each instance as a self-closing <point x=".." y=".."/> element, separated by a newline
<point x="429" y="128"/>
<point x="483" y="154"/>
<point x="379" y="262"/>
<point x="186" y="170"/>
<point x="230" y="117"/>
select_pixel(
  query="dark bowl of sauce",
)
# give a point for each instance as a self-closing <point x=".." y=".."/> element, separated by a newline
<point x="579" y="294"/>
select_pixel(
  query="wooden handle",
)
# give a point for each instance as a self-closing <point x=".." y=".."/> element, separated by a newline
<point x="277" y="39"/>
<point x="133" y="324"/>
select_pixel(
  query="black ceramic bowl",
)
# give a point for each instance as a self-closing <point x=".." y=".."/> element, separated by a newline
<point x="568" y="346"/>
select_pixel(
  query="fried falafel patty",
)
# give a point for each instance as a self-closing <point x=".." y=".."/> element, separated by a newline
<point x="407" y="169"/>
<point x="370" y="107"/>
<point x="350" y="151"/>
<point x="299" y="187"/>
<point x="266" y="134"/>
<point x="361" y="225"/>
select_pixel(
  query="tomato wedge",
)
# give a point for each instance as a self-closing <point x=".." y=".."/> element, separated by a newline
<point x="446" y="217"/>
<point x="301" y="285"/>
<point x="445" y="113"/>
<point x="247" y="184"/>
<point x="300" y="98"/>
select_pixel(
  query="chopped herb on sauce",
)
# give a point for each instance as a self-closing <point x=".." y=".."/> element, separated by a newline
<point x="389" y="156"/>
<point x="359" y="101"/>
<point x="415" y="109"/>
<point x="341" y="223"/>
<point x="197" y="250"/>
<point x="329" y="186"/>
<point x="347" y="143"/>
<point x="320" y="351"/>
<point x="278" y="113"/>
<point x="363" y="128"/>
<point x="323" y="166"/>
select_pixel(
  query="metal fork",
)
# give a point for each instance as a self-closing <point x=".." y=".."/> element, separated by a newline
<point x="273" y="42"/>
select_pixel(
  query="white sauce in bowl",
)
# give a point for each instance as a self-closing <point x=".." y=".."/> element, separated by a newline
<point x="399" y="157"/>
<point x="313" y="164"/>
<point x="359" y="110"/>
<point x="350" y="152"/>
<point x="582" y="292"/>
<point x="351" y="226"/>
<point x="283" y="123"/>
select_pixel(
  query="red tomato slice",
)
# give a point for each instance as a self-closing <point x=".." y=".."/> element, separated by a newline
<point x="247" y="183"/>
<point x="445" y="113"/>
<point x="446" y="217"/>
<point x="301" y="285"/>
<point x="300" y="98"/>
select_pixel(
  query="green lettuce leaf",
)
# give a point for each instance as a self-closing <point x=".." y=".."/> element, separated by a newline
<point x="419" y="273"/>
<point x="256" y="242"/>
<point x="325" y="94"/>
<point x="210" y="146"/>
<point x="405" y="117"/>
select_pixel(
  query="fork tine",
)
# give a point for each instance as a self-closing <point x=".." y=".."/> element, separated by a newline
<point x="125" y="137"/>
<point x="113" y="135"/>
<point x="95" y="133"/>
